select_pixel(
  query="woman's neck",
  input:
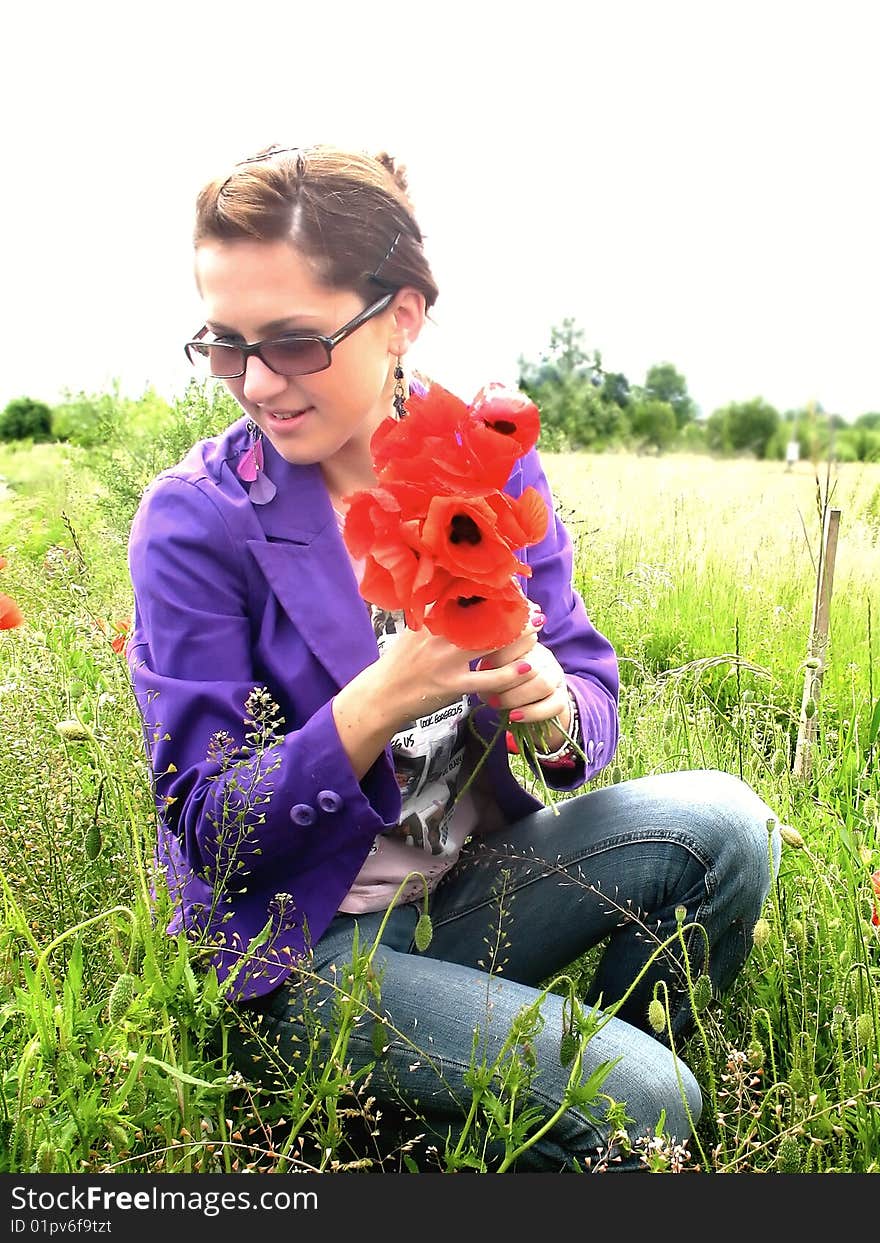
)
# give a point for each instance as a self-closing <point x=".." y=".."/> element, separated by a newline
<point x="343" y="476"/>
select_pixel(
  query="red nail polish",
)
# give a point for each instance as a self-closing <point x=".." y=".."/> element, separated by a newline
<point x="538" y="620"/>
<point x="523" y="667"/>
<point x="516" y="715"/>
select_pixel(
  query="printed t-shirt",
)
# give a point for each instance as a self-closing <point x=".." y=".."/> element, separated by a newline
<point x="428" y="760"/>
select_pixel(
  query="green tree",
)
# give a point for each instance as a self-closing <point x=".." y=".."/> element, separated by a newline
<point x="743" y="427"/>
<point x="564" y="385"/>
<point x="26" y="419"/>
<point x="871" y="421"/>
<point x="664" y="383"/>
<point x="653" y="423"/>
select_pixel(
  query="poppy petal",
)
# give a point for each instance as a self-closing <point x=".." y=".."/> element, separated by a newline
<point x="10" y="614"/>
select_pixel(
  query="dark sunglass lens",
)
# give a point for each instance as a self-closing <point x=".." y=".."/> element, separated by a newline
<point x="299" y="356"/>
<point x="217" y="360"/>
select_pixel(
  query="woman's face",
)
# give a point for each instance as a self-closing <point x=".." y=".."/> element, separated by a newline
<point x="253" y="290"/>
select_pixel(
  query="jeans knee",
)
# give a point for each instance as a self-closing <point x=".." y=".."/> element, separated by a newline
<point x="742" y="831"/>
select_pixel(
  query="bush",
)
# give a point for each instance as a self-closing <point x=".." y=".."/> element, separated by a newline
<point x="26" y="419"/>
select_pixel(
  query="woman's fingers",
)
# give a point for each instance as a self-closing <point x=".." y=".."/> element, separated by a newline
<point x="534" y="678"/>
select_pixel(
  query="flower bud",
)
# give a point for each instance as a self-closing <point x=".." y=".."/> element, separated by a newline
<point x="424" y="932"/>
<point x="45" y="1160"/>
<point x="74" y="731"/>
<point x="657" y="1015"/>
<point x="702" y="992"/>
<point x="788" y="1155"/>
<point x="791" y="836"/>
<point x="761" y="933"/>
<point x="121" y="997"/>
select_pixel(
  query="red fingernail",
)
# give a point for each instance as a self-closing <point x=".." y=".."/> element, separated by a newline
<point x="493" y="701"/>
<point x="538" y="620"/>
<point x="516" y="715"/>
<point x="523" y="667"/>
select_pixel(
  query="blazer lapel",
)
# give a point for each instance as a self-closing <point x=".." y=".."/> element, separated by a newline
<point x="307" y="567"/>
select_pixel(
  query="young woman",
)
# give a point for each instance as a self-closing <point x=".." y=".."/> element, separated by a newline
<point x="309" y="751"/>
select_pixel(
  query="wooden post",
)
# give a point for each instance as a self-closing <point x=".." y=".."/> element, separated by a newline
<point x="815" y="664"/>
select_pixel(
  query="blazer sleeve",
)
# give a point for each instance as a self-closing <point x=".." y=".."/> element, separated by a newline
<point x="246" y="801"/>
<point x="586" y="655"/>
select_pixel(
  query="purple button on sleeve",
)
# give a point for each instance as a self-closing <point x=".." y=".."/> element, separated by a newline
<point x="302" y="813"/>
<point x="329" y="800"/>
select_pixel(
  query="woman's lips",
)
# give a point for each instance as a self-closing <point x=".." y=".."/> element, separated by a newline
<point x="286" y="416"/>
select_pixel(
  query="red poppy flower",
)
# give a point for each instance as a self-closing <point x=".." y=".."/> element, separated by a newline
<point x="461" y="533"/>
<point x="481" y="619"/>
<point x="389" y="572"/>
<point x="118" y="643"/>
<point x="508" y="413"/>
<point x="432" y="413"/>
<point x="523" y="520"/>
<point x="10" y="614"/>
<point x="431" y="446"/>
<point x="375" y="515"/>
<point x="875" y="881"/>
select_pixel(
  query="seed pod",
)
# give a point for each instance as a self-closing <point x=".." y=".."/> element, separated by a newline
<point x="616" y="775"/>
<point x="424" y="932"/>
<point x="121" y="997"/>
<point x="780" y="761"/>
<point x="810" y="708"/>
<point x="92" y="841"/>
<point x="45" y="1161"/>
<point x="657" y="1015"/>
<point x="798" y="933"/>
<point x="756" y="1054"/>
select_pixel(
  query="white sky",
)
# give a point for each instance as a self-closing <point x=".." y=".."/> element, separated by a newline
<point x="693" y="181"/>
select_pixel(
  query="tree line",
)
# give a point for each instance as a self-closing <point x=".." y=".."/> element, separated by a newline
<point x="584" y="406"/>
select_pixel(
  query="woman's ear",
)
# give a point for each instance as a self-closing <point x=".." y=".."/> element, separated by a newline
<point x="408" y="318"/>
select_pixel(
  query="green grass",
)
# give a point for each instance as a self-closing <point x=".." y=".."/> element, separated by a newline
<point x="702" y="573"/>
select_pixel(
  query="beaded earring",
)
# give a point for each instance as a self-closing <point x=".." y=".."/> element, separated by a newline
<point x="399" y="393"/>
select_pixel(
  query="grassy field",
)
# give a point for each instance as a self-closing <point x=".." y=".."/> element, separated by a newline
<point x="702" y="573"/>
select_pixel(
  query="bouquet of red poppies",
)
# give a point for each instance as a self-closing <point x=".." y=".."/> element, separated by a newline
<point x="440" y="539"/>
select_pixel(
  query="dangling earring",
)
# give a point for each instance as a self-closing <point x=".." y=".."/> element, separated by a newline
<point x="251" y="469"/>
<point x="399" y="393"/>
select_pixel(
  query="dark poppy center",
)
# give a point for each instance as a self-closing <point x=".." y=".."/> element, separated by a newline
<point x="504" y="426"/>
<point x="464" y="530"/>
<point x="466" y="602"/>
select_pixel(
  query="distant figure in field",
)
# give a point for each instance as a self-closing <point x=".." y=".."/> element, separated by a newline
<point x="792" y="454"/>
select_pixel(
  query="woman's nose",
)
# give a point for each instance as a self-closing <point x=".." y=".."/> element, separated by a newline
<point x="260" y="382"/>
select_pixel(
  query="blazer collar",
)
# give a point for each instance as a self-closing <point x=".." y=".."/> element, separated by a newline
<point x="307" y="567"/>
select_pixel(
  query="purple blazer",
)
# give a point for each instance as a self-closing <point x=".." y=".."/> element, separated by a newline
<point x="230" y="596"/>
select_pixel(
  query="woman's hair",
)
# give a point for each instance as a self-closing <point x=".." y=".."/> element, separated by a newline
<point x="347" y="212"/>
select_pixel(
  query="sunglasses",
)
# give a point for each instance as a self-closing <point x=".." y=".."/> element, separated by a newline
<point x="296" y="353"/>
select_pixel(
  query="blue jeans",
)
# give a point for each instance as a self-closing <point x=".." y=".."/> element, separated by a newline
<point x="521" y="906"/>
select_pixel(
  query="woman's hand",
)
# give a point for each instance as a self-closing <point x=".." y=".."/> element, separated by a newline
<point x="534" y="686"/>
